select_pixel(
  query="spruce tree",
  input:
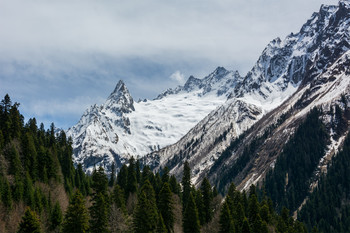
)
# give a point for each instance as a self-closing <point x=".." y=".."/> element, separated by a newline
<point x="112" y="176"/>
<point x="100" y="202"/>
<point x="146" y="215"/>
<point x="76" y="219"/>
<point x="99" y="214"/>
<point x="161" y="228"/>
<point x="6" y="194"/>
<point x="132" y="181"/>
<point x="122" y="178"/>
<point x="226" y="221"/>
<point x="56" y="217"/>
<point x="166" y="207"/>
<point x="207" y="200"/>
<point x="29" y="223"/>
<point x="245" y="226"/>
<point x="186" y="184"/>
<point x="190" y="217"/>
<point x="118" y="198"/>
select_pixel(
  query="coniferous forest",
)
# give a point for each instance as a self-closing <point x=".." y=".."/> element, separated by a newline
<point x="41" y="191"/>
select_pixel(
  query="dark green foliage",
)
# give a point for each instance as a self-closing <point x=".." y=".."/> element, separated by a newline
<point x="166" y="207"/>
<point x="132" y="180"/>
<point x="99" y="214"/>
<point x="190" y="218"/>
<point x="199" y="204"/>
<point x="122" y="178"/>
<point x="29" y="223"/>
<point x="99" y="182"/>
<point x="186" y="184"/>
<point x="161" y="228"/>
<point x="207" y="200"/>
<point x="146" y="215"/>
<point x="226" y="220"/>
<point x="174" y="185"/>
<point x="6" y="196"/>
<point x="56" y="217"/>
<point x="245" y="226"/>
<point x="118" y="198"/>
<point x="100" y="202"/>
<point x="112" y="176"/>
<point x="76" y="219"/>
<point x="297" y="162"/>
<point x="328" y="207"/>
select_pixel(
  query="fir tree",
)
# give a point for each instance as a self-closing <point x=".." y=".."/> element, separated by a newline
<point x="99" y="214"/>
<point x="166" y="207"/>
<point x="161" y="228"/>
<point x="118" y="198"/>
<point x="245" y="226"/>
<point x="146" y="216"/>
<point x="112" y="176"/>
<point x="190" y="217"/>
<point x="186" y="184"/>
<point x="122" y="178"/>
<point x="132" y="181"/>
<point x="56" y="217"/>
<point x="76" y="219"/>
<point x="226" y="221"/>
<point x="6" y="194"/>
<point x="29" y="223"/>
<point x="207" y="200"/>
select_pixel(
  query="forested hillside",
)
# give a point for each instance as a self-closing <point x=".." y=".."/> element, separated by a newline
<point x="41" y="191"/>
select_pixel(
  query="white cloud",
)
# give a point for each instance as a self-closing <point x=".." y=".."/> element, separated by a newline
<point x="178" y="77"/>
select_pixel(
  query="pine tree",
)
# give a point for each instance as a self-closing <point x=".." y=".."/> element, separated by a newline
<point x="99" y="214"/>
<point x="6" y="194"/>
<point x="199" y="204"/>
<point x="56" y="217"/>
<point x="245" y="226"/>
<point x="99" y="182"/>
<point x="207" y="200"/>
<point x="76" y="219"/>
<point x="112" y="177"/>
<point x="122" y="178"/>
<point x="132" y="181"/>
<point x="174" y="186"/>
<point x="146" y="215"/>
<point x="190" y="217"/>
<point x="161" y="228"/>
<point x="118" y="198"/>
<point x="100" y="202"/>
<point x="226" y="221"/>
<point x="166" y="207"/>
<point x="186" y="184"/>
<point x="29" y="223"/>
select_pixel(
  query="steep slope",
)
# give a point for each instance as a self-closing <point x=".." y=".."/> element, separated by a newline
<point x="313" y="60"/>
<point x="121" y="128"/>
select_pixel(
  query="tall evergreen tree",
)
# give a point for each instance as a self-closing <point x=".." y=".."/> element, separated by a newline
<point x="166" y="207"/>
<point x="112" y="176"/>
<point x="146" y="215"/>
<point x="6" y="194"/>
<point x="56" y="217"/>
<point x="207" y="200"/>
<point x="99" y="214"/>
<point x="186" y="184"/>
<point x="132" y="181"/>
<point x="29" y="223"/>
<point x="76" y="219"/>
<point x="190" y="217"/>
<point x="118" y="198"/>
<point x="122" y="178"/>
<point x="226" y="221"/>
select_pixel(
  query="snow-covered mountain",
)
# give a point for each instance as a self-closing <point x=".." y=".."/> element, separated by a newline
<point x="121" y="128"/>
<point x="202" y="120"/>
<point x="297" y="72"/>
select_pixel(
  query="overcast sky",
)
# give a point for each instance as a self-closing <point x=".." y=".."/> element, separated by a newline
<point x="59" y="57"/>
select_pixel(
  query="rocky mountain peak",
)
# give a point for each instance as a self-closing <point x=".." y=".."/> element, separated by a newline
<point x="120" y="99"/>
